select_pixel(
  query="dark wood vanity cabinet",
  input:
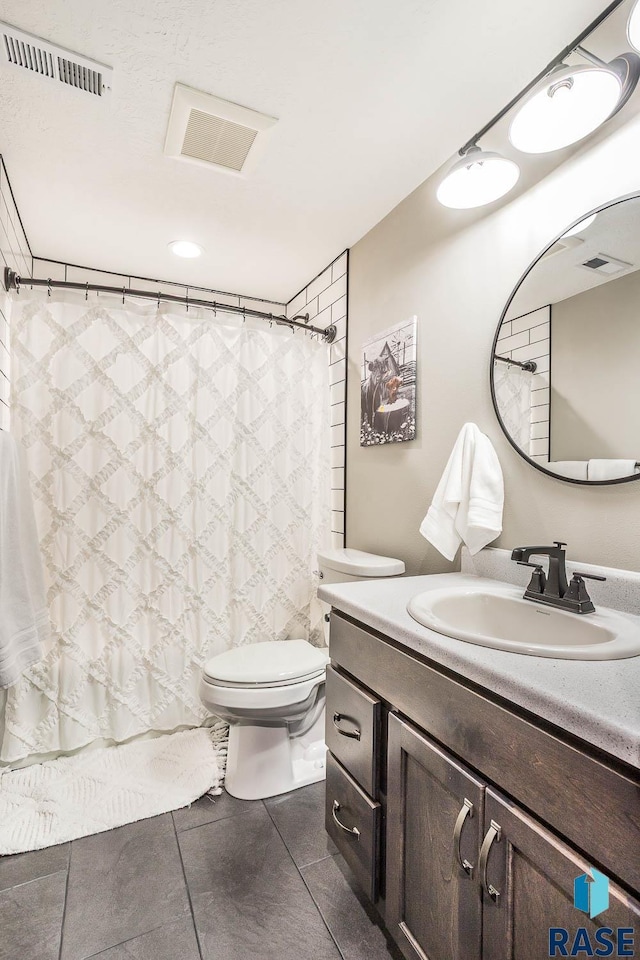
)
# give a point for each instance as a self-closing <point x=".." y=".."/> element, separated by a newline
<point x="458" y="867"/>
<point x="470" y="875"/>
<point x="434" y="829"/>
<point x="528" y="886"/>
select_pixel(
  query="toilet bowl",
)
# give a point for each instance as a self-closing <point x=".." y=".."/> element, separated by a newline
<point x="272" y="694"/>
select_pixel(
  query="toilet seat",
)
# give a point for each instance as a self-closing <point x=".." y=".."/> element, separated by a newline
<point x="250" y="697"/>
<point x="274" y="663"/>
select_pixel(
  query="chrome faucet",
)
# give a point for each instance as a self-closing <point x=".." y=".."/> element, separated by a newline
<point x="553" y="587"/>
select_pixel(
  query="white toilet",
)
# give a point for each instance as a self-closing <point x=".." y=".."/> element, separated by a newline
<point x="344" y="565"/>
<point x="272" y="696"/>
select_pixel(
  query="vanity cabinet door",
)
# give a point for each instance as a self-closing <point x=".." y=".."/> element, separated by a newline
<point x="527" y="875"/>
<point x="434" y="827"/>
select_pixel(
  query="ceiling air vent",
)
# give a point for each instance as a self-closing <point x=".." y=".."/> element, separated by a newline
<point x="602" y="263"/>
<point x="26" y="52"/>
<point x="215" y="133"/>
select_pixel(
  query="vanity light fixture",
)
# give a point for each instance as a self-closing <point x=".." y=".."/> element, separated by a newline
<point x="186" y="248"/>
<point x="633" y="27"/>
<point x="560" y="106"/>
<point x="573" y="102"/>
<point x="477" y="178"/>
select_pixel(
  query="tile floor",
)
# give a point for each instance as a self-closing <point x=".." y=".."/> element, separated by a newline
<point x="230" y="880"/>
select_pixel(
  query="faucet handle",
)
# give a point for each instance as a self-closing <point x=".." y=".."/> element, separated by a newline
<point x="559" y="544"/>
<point x="577" y="594"/>
<point x="538" y="580"/>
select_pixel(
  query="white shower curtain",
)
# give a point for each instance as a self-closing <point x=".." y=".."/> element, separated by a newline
<point x="179" y="466"/>
<point x="513" y="394"/>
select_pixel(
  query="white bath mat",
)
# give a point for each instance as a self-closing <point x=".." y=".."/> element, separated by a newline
<point x="98" y="790"/>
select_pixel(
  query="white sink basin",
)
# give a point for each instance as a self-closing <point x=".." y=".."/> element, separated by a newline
<point x="496" y="615"/>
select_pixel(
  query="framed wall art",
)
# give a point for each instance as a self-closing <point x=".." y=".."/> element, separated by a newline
<point x="388" y="385"/>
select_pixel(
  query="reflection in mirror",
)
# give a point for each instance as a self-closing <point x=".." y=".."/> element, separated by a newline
<point x="566" y="362"/>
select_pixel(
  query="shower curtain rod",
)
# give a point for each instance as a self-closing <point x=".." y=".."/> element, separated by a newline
<point x="529" y="365"/>
<point x="13" y="281"/>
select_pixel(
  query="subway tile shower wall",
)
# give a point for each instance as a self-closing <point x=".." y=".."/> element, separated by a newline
<point x="16" y="254"/>
<point x="529" y="338"/>
<point x="325" y="300"/>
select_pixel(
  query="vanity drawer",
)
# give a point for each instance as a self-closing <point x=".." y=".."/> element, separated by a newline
<point x="353" y="728"/>
<point x="353" y="821"/>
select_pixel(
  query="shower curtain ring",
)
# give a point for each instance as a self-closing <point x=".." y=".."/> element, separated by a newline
<point x="123" y="289"/>
<point x="158" y="299"/>
<point x="18" y="285"/>
<point x="187" y="299"/>
<point x="244" y="315"/>
<point x="86" y="292"/>
<point x="49" y="287"/>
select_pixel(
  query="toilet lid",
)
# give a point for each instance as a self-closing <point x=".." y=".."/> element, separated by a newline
<point x="272" y="662"/>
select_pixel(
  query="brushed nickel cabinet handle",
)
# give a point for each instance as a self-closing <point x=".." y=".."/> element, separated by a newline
<point x="352" y="830"/>
<point x="465" y="811"/>
<point x="352" y="734"/>
<point x="493" y="833"/>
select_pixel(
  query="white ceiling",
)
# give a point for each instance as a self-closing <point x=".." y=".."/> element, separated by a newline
<point x="372" y="97"/>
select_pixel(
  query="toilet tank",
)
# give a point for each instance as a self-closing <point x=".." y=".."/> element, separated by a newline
<point x="344" y="564"/>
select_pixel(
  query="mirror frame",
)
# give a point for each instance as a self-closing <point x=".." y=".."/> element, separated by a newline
<point x="532" y="463"/>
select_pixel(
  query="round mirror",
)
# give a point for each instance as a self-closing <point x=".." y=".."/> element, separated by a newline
<point x="565" y="368"/>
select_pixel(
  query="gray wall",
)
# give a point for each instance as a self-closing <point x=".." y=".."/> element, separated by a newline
<point x="595" y="375"/>
<point x="455" y="270"/>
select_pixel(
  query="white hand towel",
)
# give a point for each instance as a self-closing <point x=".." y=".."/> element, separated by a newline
<point x="24" y="619"/>
<point x="573" y="469"/>
<point x="610" y="469"/>
<point x="467" y="505"/>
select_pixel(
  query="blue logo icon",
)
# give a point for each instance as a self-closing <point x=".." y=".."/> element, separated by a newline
<point x="591" y="893"/>
<point x="591" y="896"/>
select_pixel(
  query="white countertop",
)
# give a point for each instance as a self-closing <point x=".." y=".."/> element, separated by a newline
<point x="596" y="700"/>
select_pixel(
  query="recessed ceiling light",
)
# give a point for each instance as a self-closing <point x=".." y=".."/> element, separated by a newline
<point x="479" y="177"/>
<point x="186" y="248"/>
<point x="573" y="102"/>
